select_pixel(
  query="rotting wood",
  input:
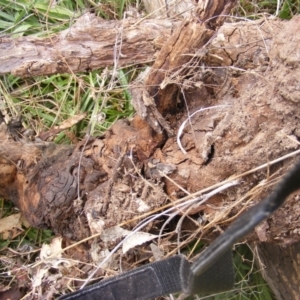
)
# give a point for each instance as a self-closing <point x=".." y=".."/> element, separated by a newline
<point x="249" y="67"/>
<point x="64" y="187"/>
<point x="280" y="268"/>
<point x="166" y="9"/>
<point x="91" y="43"/>
<point x="259" y="123"/>
<point x="172" y="61"/>
<point x="83" y="178"/>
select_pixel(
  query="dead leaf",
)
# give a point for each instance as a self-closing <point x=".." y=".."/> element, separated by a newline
<point x="64" y="125"/>
<point x="113" y="233"/>
<point x="38" y="277"/>
<point x="8" y="223"/>
<point x="54" y="248"/>
<point x="157" y="253"/>
<point x="70" y="122"/>
<point x="11" y="226"/>
<point x="98" y="255"/>
<point x="136" y="239"/>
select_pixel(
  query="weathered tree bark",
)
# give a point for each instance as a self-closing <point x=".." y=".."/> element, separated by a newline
<point x="82" y="189"/>
<point x="92" y="43"/>
<point x="165" y="9"/>
<point x="280" y="267"/>
<point x="186" y="41"/>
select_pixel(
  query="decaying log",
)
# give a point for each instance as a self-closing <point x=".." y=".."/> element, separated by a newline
<point x="280" y="268"/>
<point x="79" y="190"/>
<point x="259" y="121"/>
<point x="251" y="69"/>
<point x="55" y="185"/>
<point x="91" y="43"/>
<point x="187" y="40"/>
<point x="165" y="9"/>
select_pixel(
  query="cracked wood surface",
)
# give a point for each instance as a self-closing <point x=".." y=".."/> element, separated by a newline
<point x="66" y="188"/>
<point x="49" y="178"/>
<point x="260" y="123"/>
<point x="280" y="268"/>
<point x="91" y="43"/>
<point x="172" y="62"/>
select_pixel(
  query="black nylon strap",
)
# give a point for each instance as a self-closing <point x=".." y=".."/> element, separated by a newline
<point x="151" y="281"/>
<point x="218" y="278"/>
<point x="212" y="272"/>
<point x="160" y="278"/>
